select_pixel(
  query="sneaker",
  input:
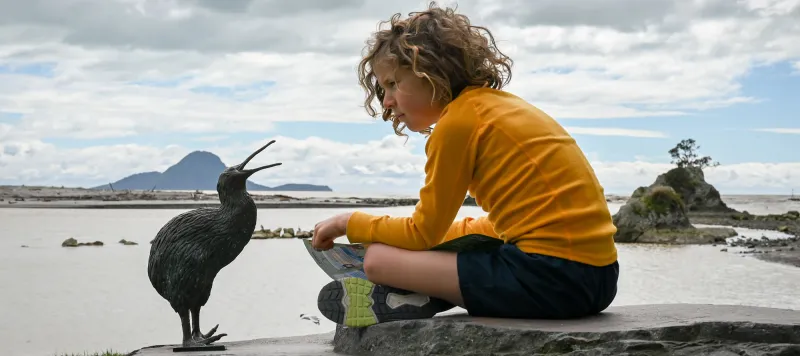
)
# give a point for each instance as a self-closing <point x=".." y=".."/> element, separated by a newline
<point x="357" y="302"/>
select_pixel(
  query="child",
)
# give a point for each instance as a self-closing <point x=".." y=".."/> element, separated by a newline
<point x="543" y="200"/>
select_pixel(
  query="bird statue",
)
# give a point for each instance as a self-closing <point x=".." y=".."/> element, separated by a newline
<point x="191" y="248"/>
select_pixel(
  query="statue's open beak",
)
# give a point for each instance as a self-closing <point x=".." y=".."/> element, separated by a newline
<point x="249" y="172"/>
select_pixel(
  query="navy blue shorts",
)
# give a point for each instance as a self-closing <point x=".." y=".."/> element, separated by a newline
<point x="508" y="283"/>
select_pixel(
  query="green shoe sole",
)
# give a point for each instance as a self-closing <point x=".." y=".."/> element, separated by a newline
<point x="357" y="302"/>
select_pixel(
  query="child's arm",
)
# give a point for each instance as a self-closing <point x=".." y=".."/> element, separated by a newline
<point x="451" y="151"/>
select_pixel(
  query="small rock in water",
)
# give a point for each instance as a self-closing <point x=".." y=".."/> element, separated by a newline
<point x="71" y="242"/>
<point x="282" y="233"/>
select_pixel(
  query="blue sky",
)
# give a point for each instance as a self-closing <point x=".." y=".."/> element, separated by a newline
<point x="140" y="96"/>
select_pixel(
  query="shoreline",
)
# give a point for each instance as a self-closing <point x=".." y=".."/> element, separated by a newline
<point x="181" y="205"/>
<point x="785" y="251"/>
<point x="25" y="197"/>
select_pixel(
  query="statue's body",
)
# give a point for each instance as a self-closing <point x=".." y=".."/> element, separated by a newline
<point x="190" y="249"/>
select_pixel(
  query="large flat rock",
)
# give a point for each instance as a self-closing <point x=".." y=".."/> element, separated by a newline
<point x="309" y="345"/>
<point x="643" y="330"/>
<point x="671" y="329"/>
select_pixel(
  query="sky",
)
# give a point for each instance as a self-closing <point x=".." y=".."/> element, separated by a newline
<point x="94" y="90"/>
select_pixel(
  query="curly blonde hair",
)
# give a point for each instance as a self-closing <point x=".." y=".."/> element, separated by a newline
<point x="437" y="44"/>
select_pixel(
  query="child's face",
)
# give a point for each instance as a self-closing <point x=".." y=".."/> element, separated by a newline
<point x="408" y="96"/>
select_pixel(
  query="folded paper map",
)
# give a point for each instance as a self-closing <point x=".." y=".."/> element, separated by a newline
<point x="347" y="260"/>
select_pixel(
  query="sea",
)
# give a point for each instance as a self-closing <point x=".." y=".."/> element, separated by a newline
<point x="58" y="300"/>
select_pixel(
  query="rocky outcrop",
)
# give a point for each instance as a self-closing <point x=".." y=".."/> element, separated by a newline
<point x="780" y="250"/>
<point x="657" y="214"/>
<point x="783" y="250"/>
<point x="788" y="223"/>
<point x="641" y="330"/>
<point x="691" y="186"/>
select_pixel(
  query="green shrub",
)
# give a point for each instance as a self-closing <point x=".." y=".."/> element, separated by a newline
<point x="662" y="200"/>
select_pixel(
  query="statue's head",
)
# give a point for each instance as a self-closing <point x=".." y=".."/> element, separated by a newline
<point x="235" y="177"/>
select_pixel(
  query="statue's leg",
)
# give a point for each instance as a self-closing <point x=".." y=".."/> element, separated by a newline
<point x="199" y="337"/>
<point x="187" y="335"/>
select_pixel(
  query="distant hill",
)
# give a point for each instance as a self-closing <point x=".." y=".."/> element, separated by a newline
<point x="199" y="170"/>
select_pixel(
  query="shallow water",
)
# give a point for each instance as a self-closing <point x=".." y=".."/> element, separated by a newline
<point x="93" y="298"/>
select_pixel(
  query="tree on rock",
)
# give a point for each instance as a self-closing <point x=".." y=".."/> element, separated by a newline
<point x="688" y="180"/>
<point x="684" y="155"/>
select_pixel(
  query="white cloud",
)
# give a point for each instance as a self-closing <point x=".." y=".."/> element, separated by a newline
<point x="610" y="131"/>
<point x="795" y="131"/>
<point x="122" y="68"/>
<point x="34" y="162"/>
<point x="662" y="58"/>
<point x="382" y="166"/>
<point x="311" y="160"/>
<point x="740" y="178"/>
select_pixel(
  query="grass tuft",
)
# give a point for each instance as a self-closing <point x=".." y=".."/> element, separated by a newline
<point x="104" y="353"/>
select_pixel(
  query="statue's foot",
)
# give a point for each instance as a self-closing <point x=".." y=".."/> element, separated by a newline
<point x="199" y="339"/>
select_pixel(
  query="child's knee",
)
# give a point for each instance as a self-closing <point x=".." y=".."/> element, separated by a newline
<point x="372" y="260"/>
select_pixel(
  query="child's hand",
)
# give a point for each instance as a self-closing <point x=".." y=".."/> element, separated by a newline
<point x="328" y="230"/>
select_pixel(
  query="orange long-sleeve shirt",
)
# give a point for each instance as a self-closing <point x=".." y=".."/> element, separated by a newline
<point x="521" y="166"/>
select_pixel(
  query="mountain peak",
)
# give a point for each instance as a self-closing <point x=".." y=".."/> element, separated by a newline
<point x="200" y="157"/>
<point x="200" y="153"/>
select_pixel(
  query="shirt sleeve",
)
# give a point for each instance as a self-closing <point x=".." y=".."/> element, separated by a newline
<point x="470" y="225"/>
<point x="451" y="152"/>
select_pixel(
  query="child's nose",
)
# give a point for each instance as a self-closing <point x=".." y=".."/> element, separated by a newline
<point x="388" y="101"/>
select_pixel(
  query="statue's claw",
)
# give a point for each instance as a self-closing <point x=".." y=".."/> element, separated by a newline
<point x="210" y="332"/>
<point x="199" y="339"/>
